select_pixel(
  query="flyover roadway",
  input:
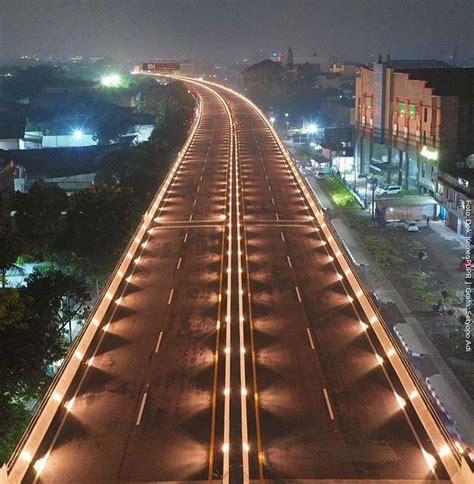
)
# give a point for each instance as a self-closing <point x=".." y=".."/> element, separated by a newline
<point x="234" y="349"/>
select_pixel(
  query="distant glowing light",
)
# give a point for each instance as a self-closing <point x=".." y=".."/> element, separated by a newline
<point x="112" y="80"/>
<point x="430" y="154"/>
<point x="78" y="134"/>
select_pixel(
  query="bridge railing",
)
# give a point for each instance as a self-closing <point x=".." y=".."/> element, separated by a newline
<point x="27" y="447"/>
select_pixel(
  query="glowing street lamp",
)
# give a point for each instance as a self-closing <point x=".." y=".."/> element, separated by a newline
<point x="272" y="120"/>
<point x="112" y="80"/>
<point x="77" y="133"/>
<point x="311" y="128"/>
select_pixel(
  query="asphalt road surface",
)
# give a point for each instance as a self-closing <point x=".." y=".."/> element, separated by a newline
<point x="236" y="351"/>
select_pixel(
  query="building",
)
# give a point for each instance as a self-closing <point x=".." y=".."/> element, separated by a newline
<point x="413" y="119"/>
<point x="455" y="193"/>
<point x="345" y="70"/>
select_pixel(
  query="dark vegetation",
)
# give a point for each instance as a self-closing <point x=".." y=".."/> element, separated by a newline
<point x="276" y="89"/>
<point x="78" y="239"/>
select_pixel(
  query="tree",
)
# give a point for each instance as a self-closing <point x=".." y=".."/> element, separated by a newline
<point x="267" y="83"/>
<point x="28" y="343"/>
<point x="98" y="224"/>
<point x="10" y="248"/>
<point x="173" y="116"/>
<point x="38" y="213"/>
<point x="58" y="297"/>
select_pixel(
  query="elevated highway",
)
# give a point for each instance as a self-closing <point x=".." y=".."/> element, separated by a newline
<point x="234" y="341"/>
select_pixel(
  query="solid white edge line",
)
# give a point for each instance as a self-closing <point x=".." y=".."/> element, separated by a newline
<point x="171" y="296"/>
<point x="142" y="406"/>
<point x="328" y="404"/>
<point x="158" y="343"/>
<point x="310" y="338"/>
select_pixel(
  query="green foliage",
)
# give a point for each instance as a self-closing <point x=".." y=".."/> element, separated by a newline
<point x="10" y="248"/>
<point x="38" y="214"/>
<point x="29" y="343"/>
<point x="98" y="223"/>
<point x="421" y="284"/>
<point x="15" y="418"/>
<point x="382" y="251"/>
<point x="271" y="86"/>
<point x="303" y="152"/>
<point x="266" y="82"/>
<point x="342" y="197"/>
<point x="57" y="296"/>
<point x="12" y="310"/>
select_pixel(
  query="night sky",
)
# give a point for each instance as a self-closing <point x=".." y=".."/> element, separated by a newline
<point x="225" y="30"/>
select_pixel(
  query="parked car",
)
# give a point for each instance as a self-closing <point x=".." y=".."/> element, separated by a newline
<point x="411" y="226"/>
<point x="320" y="175"/>
<point x="388" y="190"/>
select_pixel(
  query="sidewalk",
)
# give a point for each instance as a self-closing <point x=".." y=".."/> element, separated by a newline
<point x="459" y="411"/>
<point x="446" y="233"/>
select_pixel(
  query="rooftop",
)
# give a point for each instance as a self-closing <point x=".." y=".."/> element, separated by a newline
<point x="446" y="81"/>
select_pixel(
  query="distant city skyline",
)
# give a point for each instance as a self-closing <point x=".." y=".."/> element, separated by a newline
<point x="226" y="30"/>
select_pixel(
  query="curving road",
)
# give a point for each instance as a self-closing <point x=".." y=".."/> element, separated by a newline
<point x="236" y="351"/>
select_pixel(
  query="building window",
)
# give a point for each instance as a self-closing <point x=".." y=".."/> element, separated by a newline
<point x="424" y="136"/>
<point x="401" y="108"/>
<point x="425" y="116"/>
<point x="412" y="111"/>
<point x="423" y="169"/>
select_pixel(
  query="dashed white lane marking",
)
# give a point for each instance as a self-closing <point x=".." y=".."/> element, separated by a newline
<point x="158" y="343"/>
<point x="298" y="295"/>
<point x="269" y="189"/>
<point x="328" y="403"/>
<point x="289" y="261"/>
<point x="310" y="338"/>
<point x="179" y="263"/>
<point x="185" y="238"/>
<point x="194" y="203"/>
<point x="142" y="406"/>
<point x="273" y="201"/>
<point x="282" y="237"/>
<point x="277" y="217"/>
<point x="190" y="217"/>
<point x="171" y="296"/>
